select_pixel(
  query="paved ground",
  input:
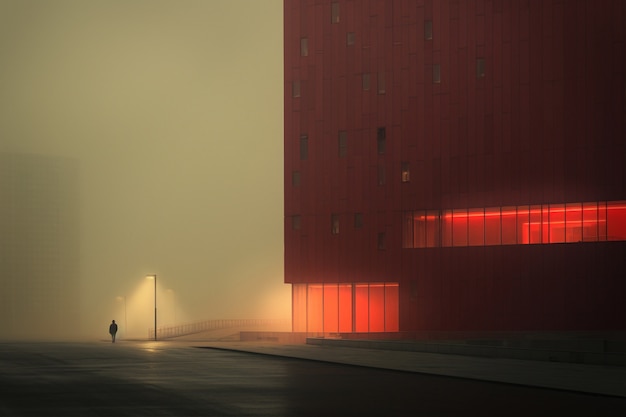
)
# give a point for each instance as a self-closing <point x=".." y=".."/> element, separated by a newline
<point x="177" y="379"/>
<point x="594" y="379"/>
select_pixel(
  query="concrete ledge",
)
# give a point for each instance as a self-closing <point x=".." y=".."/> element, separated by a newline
<point x="473" y="349"/>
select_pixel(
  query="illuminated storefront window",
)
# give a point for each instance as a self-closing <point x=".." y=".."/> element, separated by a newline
<point x="346" y="308"/>
<point x="516" y="225"/>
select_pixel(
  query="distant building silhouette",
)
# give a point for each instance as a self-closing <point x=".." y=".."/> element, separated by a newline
<point x="39" y="246"/>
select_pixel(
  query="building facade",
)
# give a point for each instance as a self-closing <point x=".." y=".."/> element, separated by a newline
<point x="39" y="246"/>
<point x="455" y="165"/>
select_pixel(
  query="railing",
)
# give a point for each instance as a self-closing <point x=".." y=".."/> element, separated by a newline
<point x="202" y="326"/>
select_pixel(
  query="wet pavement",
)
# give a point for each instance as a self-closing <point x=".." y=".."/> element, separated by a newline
<point x="251" y="379"/>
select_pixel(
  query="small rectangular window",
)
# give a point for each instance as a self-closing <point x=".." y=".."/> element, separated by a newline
<point x="358" y="220"/>
<point x="381" y="139"/>
<point x="343" y="143"/>
<point x="350" y="38"/>
<point x="437" y="73"/>
<point x="304" y="47"/>
<point x="295" y="222"/>
<point x="334" y="14"/>
<point x="428" y="30"/>
<point x="381" y="82"/>
<point x="304" y="147"/>
<point x="381" y="241"/>
<point x="334" y="224"/>
<point x="381" y="175"/>
<point x="295" y="178"/>
<point x="366" y="82"/>
<point x="480" y="67"/>
<point x="406" y="172"/>
<point x="295" y="88"/>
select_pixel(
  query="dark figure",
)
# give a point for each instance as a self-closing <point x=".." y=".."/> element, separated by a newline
<point x="113" y="330"/>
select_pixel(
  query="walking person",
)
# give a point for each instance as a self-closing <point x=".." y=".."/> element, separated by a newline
<point x="113" y="330"/>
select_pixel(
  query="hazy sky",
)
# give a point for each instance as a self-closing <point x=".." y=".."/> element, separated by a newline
<point x="174" y="111"/>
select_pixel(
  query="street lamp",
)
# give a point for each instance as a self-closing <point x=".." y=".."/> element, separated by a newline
<point x="154" y="277"/>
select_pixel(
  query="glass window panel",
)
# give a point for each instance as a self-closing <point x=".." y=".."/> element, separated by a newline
<point x="557" y="223"/>
<point x="459" y="228"/>
<point x="428" y="30"/>
<point x="419" y="229"/>
<point x="334" y="224"/>
<point x="602" y="221"/>
<point x="573" y="222"/>
<point x="616" y="220"/>
<point x="345" y="307"/>
<point x="331" y="308"/>
<point x="392" y="308"/>
<point x="295" y="88"/>
<point x="298" y="307"/>
<point x="492" y="226"/>
<point x="315" y="308"/>
<point x="381" y="139"/>
<point x="304" y="147"/>
<point x="534" y="225"/>
<point x="476" y="227"/>
<point x="508" y="225"/>
<point x="361" y="308"/>
<point x="334" y="12"/>
<point x="350" y="38"/>
<point x="590" y="222"/>
<point x="446" y="228"/>
<point x="432" y="229"/>
<point x="381" y="83"/>
<point x="522" y="225"/>
<point x="437" y="73"/>
<point x="545" y="223"/>
<point x="304" y="46"/>
<point x="377" y="307"/>
<point x="343" y="143"/>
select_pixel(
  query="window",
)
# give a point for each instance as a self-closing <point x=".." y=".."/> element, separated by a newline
<point x="350" y="38"/>
<point x="381" y="82"/>
<point x="295" y="222"/>
<point x="516" y="225"/>
<point x="295" y="178"/>
<point x="334" y="14"/>
<point x="358" y="220"/>
<point x="428" y="30"/>
<point x="366" y="82"/>
<point x="406" y="172"/>
<point x="334" y="224"/>
<point x="381" y="241"/>
<point x="480" y="67"/>
<point x="343" y="143"/>
<point x="304" y="147"/>
<point x="381" y="139"/>
<point x="304" y="47"/>
<point x="295" y="88"/>
<point x="381" y="175"/>
<point x="437" y="73"/>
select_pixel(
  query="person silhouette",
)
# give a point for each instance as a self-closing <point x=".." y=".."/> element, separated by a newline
<point x="113" y="331"/>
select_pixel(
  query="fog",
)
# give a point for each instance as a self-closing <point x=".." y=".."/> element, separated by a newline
<point x="169" y="115"/>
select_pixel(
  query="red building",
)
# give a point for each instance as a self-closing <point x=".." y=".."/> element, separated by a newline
<point x="455" y="165"/>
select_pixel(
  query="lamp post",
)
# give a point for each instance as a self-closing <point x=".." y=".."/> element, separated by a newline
<point x="154" y="277"/>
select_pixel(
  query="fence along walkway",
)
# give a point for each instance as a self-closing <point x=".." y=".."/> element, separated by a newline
<point x="202" y="326"/>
